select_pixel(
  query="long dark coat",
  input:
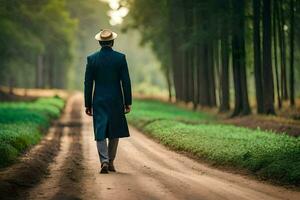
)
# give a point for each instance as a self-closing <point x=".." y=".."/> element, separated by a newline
<point x="107" y="71"/>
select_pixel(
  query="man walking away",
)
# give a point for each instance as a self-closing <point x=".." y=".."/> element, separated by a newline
<point x="107" y="93"/>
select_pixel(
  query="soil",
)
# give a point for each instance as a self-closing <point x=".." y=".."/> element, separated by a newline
<point x="23" y="94"/>
<point x="31" y="168"/>
<point x="275" y="124"/>
<point x="65" y="165"/>
<point x="286" y="120"/>
<point x="4" y="96"/>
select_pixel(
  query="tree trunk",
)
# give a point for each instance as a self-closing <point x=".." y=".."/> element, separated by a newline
<point x="203" y="75"/>
<point x="195" y="78"/>
<point x="267" y="59"/>
<point x="224" y="83"/>
<point x="202" y="56"/>
<point x="211" y="76"/>
<point x="281" y="21"/>
<point x="241" y="106"/>
<point x="292" y="78"/>
<point x="224" y="69"/>
<point x="190" y="75"/>
<point x="51" y="72"/>
<point x="189" y="50"/>
<point x="257" y="57"/>
<point x="236" y="78"/>
<point x="39" y="71"/>
<point x="168" y="79"/>
<point x="217" y="75"/>
<point x="176" y="17"/>
<point x="275" y="24"/>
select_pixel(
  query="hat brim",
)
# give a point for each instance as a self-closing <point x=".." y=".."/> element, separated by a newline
<point x="114" y="36"/>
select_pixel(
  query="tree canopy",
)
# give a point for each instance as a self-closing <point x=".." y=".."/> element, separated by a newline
<point x="42" y="39"/>
<point x="210" y="48"/>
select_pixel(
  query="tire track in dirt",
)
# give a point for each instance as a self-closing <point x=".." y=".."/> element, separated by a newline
<point x="65" y="174"/>
<point x="47" y="186"/>
<point x="30" y="168"/>
<point x="49" y="168"/>
<point x="148" y="170"/>
<point x="145" y="170"/>
<point x="188" y="179"/>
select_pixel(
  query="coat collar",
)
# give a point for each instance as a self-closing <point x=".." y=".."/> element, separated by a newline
<point x="106" y="48"/>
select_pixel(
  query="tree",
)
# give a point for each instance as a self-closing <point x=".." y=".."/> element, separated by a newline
<point x="281" y="24"/>
<point x="225" y="53"/>
<point x="292" y="53"/>
<point x="257" y="57"/>
<point x="268" y="84"/>
<point x="206" y="35"/>
<point x="44" y="46"/>
<point x="154" y="30"/>
<point x="275" y="39"/>
<point x="241" y="104"/>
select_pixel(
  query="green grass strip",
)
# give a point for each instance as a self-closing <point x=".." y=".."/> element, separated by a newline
<point x="146" y="111"/>
<point x="265" y="154"/>
<point x="22" y="125"/>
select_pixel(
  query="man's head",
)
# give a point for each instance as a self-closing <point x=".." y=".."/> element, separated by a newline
<point x="109" y="43"/>
<point x="106" y="37"/>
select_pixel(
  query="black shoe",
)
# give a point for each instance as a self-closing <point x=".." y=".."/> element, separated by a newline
<point x="111" y="167"/>
<point x="104" y="168"/>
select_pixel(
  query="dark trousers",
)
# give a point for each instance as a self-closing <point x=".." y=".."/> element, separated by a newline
<point x="107" y="152"/>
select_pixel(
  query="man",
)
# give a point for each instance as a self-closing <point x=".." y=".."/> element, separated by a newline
<point x="107" y="73"/>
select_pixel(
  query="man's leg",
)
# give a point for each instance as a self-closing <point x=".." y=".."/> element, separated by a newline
<point x="103" y="155"/>
<point x="112" y="151"/>
<point x="102" y="151"/>
<point x="112" y="148"/>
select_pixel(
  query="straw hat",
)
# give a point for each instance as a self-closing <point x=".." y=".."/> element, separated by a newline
<point x="106" y="35"/>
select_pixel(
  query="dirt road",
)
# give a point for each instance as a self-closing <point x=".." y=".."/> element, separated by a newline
<point x="146" y="170"/>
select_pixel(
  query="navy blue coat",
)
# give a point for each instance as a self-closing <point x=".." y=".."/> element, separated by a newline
<point x="107" y="73"/>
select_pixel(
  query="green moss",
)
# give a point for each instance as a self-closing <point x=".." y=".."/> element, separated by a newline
<point x="21" y="125"/>
<point x="265" y="154"/>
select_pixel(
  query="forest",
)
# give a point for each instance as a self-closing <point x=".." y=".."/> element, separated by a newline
<point x="44" y="44"/>
<point x="235" y="55"/>
<point x="204" y="96"/>
<point x="41" y="40"/>
<point x="225" y="53"/>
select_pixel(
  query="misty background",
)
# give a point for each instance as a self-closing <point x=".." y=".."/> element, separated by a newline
<point x="143" y="65"/>
<point x="45" y="44"/>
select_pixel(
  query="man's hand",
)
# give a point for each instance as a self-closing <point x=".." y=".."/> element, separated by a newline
<point x="89" y="111"/>
<point x="127" y="109"/>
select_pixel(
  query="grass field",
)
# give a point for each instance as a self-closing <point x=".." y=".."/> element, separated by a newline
<point x="146" y="111"/>
<point x="22" y="125"/>
<point x="270" y="156"/>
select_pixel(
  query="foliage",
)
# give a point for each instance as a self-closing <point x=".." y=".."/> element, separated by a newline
<point x="49" y="40"/>
<point x="265" y="154"/>
<point x="44" y="39"/>
<point x="199" y="43"/>
<point x="91" y="17"/>
<point x="148" y="89"/>
<point x="147" y="111"/>
<point x="38" y="36"/>
<point x="154" y="28"/>
<point x="21" y="125"/>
